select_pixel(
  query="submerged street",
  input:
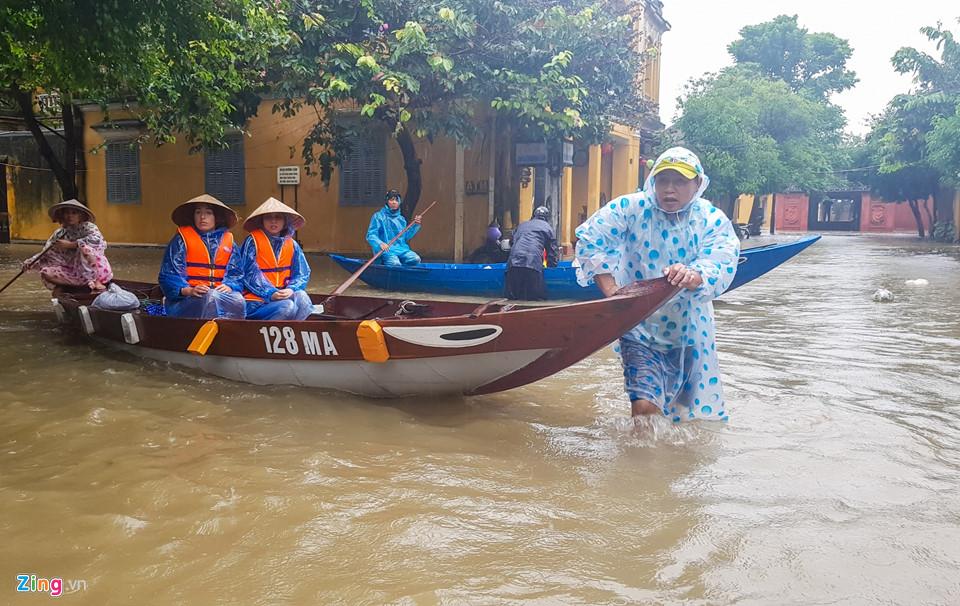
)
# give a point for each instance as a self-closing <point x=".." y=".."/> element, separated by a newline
<point x="834" y="481"/>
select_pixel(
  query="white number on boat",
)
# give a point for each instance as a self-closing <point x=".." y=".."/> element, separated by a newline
<point x="277" y="341"/>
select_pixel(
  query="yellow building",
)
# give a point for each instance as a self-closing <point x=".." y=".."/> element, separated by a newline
<point x="132" y="189"/>
<point x="746" y="206"/>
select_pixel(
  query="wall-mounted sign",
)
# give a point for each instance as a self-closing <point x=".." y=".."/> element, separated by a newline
<point x="288" y="175"/>
<point x="559" y="153"/>
<point x="532" y="154"/>
<point x="476" y="188"/>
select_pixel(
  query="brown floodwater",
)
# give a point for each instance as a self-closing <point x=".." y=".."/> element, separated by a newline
<point x="835" y="481"/>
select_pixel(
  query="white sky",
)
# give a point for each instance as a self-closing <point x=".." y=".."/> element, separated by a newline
<point x="702" y="29"/>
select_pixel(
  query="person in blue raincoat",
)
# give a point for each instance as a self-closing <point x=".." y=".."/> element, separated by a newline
<point x="275" y="270"/>
<point x="670" y="364"/>
<point x="200" y="274"/>
<point x="385" y="224"/>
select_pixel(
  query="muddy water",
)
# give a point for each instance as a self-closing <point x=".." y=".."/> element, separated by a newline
<point x="834" y="482"/>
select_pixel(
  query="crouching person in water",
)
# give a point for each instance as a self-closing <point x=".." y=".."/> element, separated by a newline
<point x="669" y="360"/>
<point x="75" y="252"/>
<point x="201" y="275"/>
<point x="275" y="271"/>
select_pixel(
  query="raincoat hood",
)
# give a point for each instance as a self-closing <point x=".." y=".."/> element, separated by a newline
<point x="386" y="204"/>
<point x="676" y="155"/>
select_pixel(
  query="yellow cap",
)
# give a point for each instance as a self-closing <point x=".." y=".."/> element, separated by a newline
<point x="683" y="168"/>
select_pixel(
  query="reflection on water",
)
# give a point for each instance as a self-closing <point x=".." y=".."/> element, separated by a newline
<point x="834" y="482"/>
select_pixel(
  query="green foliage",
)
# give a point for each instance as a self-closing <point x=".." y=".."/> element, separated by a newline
<point x="937" y="102"/>
<point x="943" y="145"/>
<point x="421" y="69"/>
<point x="943" y="231"/>
<point x="809" y="63"/>
<point x="755" y="135"/>
<point x="916" y="141"/>
<point x="191" y="66"/>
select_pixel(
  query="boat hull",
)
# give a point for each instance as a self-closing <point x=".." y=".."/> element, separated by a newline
<point x="488" y="280"/>
<point x="378" y="347"/>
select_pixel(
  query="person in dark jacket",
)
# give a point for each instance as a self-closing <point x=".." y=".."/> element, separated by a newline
<point x="524" y="278"/>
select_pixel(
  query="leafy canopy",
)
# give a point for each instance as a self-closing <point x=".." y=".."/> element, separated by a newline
<point x="916" y="141"/>
<point x="812" y="63"/>
<point x="422" y="69"/>
<point x="756" y="135"/>
<point x="190" y="66"/>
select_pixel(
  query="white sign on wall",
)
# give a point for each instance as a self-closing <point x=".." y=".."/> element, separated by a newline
<point x="288" y="175"/>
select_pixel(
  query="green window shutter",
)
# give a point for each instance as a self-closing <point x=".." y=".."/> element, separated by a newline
<point x="224" y="172"/>
<point x="363" y="171"/>
<point x="123" y="172"/>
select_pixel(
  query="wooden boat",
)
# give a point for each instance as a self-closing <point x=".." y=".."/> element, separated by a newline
<point x="486" y="280"/>
<point x="380" y="347"/>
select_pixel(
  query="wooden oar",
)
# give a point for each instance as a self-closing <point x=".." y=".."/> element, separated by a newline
<point x="26" y="267"/>
<point x="349" y="281"/>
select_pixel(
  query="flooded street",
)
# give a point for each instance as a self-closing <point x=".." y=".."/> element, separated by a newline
<point x="835" y="481"/>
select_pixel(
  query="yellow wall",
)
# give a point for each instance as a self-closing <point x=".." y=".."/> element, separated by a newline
<point x="624" y="175"/>
<point x="744" y="206"/>
<point x="170" y="175"/>
<point x="30" y="192"/>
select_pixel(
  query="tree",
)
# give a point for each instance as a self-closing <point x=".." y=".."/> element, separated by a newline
<point x="544" y="69"/>
<point x="914" y="142"/>
<point x="943" y="145"/>
<point x="813" y="64"/>
<point x="938" y="95"/>
<point x="902" y="170"/>
<point x="184" y="68"/>
<point x="755" y="135"/>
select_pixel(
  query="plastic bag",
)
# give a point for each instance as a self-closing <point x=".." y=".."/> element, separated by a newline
<point x="116" y="299"/>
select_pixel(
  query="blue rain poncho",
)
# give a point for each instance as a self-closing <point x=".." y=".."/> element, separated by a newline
<point x="173" y="278"/>
<point x="253" y="278"/>
<point x="632" y="238"/>
<point x="385" y="224"/>
<point x="297" y="307"/>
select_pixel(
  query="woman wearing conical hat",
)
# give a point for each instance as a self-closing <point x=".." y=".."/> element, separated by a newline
<point x="275" y="271"/>
<point x="201" y="275"/>
<point x="75" y="252"/>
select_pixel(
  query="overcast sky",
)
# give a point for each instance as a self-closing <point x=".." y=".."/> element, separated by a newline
<point x="702" y="29"/>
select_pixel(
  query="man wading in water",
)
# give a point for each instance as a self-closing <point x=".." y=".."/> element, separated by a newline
<point x="669" y="360"/>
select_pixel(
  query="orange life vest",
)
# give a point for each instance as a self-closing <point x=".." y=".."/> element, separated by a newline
<point x="200" y="270"/>
<point x="276" y="271"/>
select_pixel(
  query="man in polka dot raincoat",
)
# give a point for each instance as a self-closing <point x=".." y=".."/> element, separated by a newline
<point x="667" y="229"/>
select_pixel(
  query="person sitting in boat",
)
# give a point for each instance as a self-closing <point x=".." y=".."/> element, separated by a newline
<point x="201" y="276"/>
<point x="74" y="253"/>
<point x="534" y="244"/>
<point x="490" y="251"/>
<point x="275" y="270"/>
<point x="385" y="224"/>
<point x="667" y="229"/>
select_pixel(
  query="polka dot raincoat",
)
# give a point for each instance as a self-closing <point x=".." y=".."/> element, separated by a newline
<point x="632" y="238"/>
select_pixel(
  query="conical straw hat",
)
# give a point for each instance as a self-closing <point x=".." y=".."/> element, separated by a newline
<point x="294" y="219"/>
<point x="183" y="214"/>
<point x="52" y="211"/>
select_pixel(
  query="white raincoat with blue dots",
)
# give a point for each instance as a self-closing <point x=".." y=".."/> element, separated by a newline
<point x="632" y="238"/>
